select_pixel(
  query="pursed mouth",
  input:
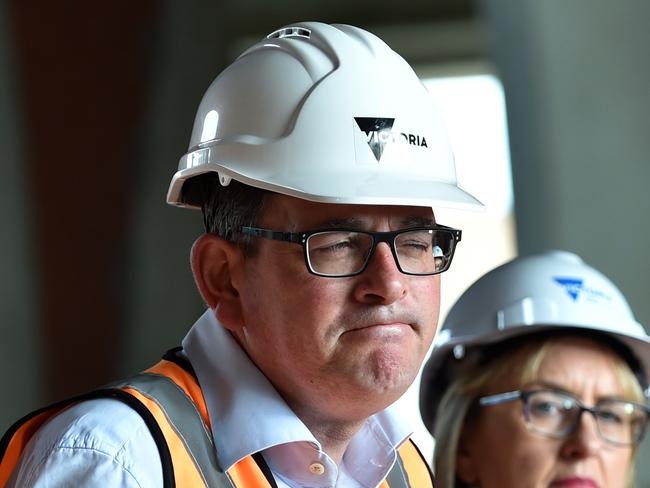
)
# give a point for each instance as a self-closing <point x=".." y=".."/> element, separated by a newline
<point x="379" y="319"/>
<point x="386" y="326"/>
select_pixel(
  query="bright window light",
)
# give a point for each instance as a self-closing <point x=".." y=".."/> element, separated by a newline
<point x="473" y="107"/>
<point x="472" y="103"/>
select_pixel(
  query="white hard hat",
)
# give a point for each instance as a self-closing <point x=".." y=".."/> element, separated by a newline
<point x="542" y="292"/>
<point x="327" y="113"/>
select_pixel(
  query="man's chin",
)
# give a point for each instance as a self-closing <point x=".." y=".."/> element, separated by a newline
<point x="388" y="374"/>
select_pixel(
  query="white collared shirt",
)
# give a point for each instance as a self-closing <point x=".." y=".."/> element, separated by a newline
<point x="106" y="443"/>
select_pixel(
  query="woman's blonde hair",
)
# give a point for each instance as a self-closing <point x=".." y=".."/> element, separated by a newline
<point x="473" y="376"/>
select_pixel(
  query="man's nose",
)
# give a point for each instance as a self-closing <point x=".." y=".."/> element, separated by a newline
<point x="381" y="282"/>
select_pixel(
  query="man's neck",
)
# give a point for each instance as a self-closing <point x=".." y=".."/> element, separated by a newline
<point x="334" y="436"/>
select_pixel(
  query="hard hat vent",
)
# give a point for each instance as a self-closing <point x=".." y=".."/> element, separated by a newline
<point x="290" y="32"/>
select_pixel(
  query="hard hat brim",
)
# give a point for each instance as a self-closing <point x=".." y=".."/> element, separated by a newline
<point x="352" y="188"/>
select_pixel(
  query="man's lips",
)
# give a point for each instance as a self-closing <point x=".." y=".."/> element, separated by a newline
<point x="383" y="329"/>
<point x="574" y="482"/>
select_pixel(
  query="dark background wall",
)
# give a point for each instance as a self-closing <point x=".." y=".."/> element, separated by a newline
<point x="96" y="106"/>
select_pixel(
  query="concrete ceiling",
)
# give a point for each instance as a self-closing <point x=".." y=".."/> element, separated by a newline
<point x="253" y="16"/>
<point x="420" y="30"/>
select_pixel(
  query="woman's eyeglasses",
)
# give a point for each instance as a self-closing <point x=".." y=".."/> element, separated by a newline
<point x="556" y="414"/>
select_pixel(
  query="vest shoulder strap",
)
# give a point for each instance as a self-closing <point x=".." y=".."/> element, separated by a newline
<point x="15" y="439"/>
<point x="170" y="402"/>
<point x="180" y="408"/>
<point x="415" y="465"/>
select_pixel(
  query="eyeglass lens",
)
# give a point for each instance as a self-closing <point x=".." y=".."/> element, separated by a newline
<point x="557" y="415"/>
<point x="337" y="253"/>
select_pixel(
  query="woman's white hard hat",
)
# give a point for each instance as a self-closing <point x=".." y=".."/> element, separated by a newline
<point x="543" y="292"/>
<point x="327" y="113"/>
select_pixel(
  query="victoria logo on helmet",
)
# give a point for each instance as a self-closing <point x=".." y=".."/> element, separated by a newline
<point x="379" y="132"/>
<point x="575" y="287"/>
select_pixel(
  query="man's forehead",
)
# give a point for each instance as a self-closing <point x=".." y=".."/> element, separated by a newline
<point x="300" y="213"/>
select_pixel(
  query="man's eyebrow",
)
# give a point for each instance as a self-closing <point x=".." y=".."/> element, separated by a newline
<point x="413" y="221"/>
<point x="349" y="223"/>
<point x="361" y="224"/>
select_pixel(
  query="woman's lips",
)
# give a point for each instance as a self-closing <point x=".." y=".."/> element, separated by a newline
<point x="574" y="482"/>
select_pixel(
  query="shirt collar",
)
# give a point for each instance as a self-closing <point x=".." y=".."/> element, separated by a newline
<point x="247" y="414"/>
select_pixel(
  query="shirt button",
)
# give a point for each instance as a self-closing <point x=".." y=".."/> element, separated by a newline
<point x="316" y="468"/>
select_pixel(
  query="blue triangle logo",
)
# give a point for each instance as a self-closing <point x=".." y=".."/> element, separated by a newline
<point x="573" y="286"/>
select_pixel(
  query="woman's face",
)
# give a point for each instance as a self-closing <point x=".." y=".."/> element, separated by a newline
<point x="497" y="450"/>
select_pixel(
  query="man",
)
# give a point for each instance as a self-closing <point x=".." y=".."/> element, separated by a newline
<point x="316" y="158"/>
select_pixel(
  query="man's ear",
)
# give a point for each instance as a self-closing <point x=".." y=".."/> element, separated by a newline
<point x="465" y="466"/>
<point x="217" y="265"/>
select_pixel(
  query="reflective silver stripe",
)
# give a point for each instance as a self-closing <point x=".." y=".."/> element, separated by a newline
<point x="186" y="421"/>
<point x="397" y="477"/>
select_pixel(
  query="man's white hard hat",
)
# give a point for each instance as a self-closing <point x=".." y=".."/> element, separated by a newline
<point x="327" y="113"/>
<point x="543" y="292"/>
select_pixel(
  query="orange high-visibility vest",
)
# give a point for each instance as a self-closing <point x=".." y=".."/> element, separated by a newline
<point x="170" y="401"/>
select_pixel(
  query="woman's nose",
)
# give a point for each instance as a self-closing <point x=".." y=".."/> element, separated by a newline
<point x="585" y="441"/>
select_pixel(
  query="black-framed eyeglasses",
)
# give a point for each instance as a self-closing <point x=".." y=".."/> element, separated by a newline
<point x="338" y="253"/>
<point x="557" y="414"/>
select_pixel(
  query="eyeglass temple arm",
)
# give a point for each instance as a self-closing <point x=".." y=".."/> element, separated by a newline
<point x="500" y="398"/>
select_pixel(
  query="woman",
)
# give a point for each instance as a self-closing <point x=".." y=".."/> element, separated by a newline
<point x="538" y="378"/>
